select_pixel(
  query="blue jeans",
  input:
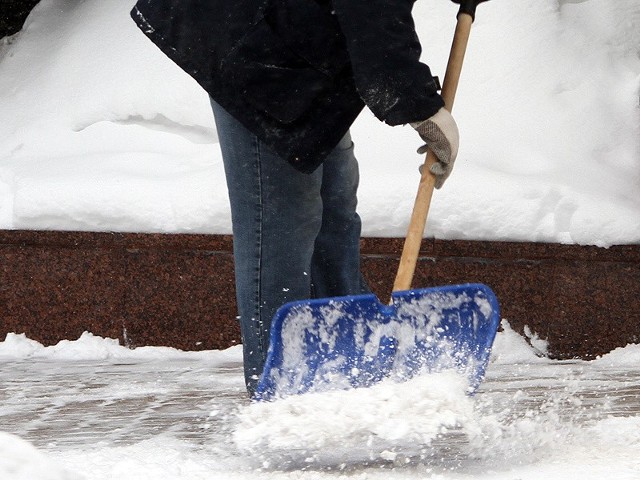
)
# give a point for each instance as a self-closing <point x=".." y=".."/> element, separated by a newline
<point x="295" y="235"/>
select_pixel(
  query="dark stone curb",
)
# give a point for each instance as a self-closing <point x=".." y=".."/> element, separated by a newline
<point x="177" y="289"/>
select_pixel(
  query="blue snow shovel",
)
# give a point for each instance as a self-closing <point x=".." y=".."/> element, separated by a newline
<point x="356" y="341"/>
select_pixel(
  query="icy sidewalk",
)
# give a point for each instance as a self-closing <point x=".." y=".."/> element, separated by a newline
<point x="103" y="412"/>
<point x="93" y="391"/>
<point x="63" y="404"/>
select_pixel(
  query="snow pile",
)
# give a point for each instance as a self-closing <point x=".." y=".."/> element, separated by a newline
<point x="91" y="347"/>
<point x="99" y="131"/>
<point x="364" y="424"/>
<point x="510" y="348"/>
<point x="19" y="460"/>
<point x="628" y="356"/>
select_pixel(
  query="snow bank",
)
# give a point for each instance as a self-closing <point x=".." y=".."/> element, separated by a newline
<point x="91" y="347"/>
<point x="628" y="356"/>
<point x="98" y="131"/>
<point x="19" y="460"/>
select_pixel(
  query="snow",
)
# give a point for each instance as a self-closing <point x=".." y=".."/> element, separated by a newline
<point x="19" y="460"/>
<point x="335" y="427"/>
<point x="99" y="131"/>
<point x="90" y="347"/>
<point x="91" y="409"/>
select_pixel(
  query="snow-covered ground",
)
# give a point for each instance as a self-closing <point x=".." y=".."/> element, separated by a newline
<point x="98" y="131"/>
<point x="91" y="409"/>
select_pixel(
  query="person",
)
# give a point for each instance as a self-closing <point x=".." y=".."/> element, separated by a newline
<point x="287" y="78"/>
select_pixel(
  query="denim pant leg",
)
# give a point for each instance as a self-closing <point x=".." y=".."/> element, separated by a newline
<point x="335" y="266"/>
<point x="280" y="216"/>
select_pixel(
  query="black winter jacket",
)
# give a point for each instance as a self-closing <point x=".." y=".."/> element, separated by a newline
<point x="297" y="73"/>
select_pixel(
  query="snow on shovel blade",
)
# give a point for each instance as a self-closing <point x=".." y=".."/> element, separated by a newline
<point x="355" y="341"/>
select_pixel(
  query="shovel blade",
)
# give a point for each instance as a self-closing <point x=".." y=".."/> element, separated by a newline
<point x="355" y="341"/>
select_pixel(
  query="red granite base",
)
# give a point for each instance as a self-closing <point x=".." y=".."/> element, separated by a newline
<point x="174" y="290"/>
<point x="177" y="290"/>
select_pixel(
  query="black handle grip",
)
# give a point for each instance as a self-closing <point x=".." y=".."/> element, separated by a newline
<point x="468" y="6"/>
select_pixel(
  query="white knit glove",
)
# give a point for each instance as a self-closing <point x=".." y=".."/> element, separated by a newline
<point x="441" y="135"/>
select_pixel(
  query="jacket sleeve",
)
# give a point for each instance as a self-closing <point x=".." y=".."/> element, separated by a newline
<point x="385" y="51"/>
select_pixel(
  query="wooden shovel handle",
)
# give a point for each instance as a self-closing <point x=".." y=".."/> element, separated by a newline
<point x="412" y="242"/>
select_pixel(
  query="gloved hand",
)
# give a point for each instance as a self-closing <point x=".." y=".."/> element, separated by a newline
<point x="440" y="132"/>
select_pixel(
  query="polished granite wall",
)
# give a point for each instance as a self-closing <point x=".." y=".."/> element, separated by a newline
<point x="177" y="290"/>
